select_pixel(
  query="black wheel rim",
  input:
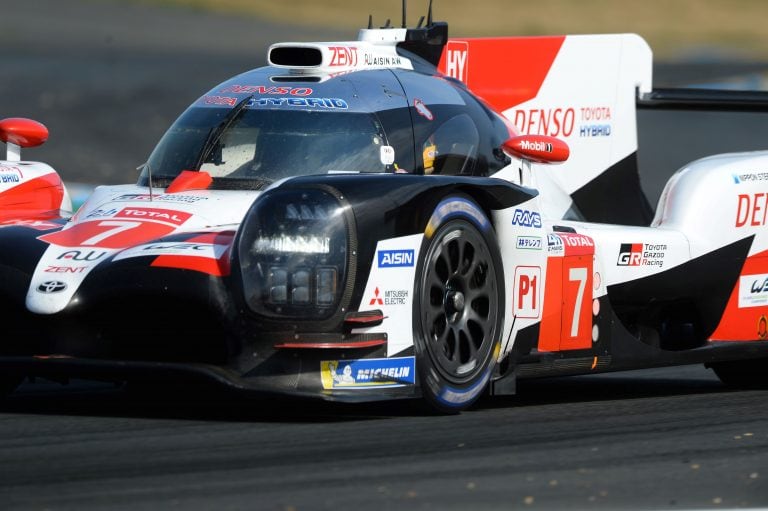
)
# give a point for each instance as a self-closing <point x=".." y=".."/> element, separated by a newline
<point x="458" y="299"/>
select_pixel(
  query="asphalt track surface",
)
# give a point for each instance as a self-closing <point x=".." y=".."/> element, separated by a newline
<point x="671" y="439"/>
<point x="107" y="79"/>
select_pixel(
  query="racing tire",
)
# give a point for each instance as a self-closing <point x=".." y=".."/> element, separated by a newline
<point x="751" y="373"/>
<point x="458" y="304"/>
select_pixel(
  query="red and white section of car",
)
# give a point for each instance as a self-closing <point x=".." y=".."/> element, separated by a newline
<point x="125" y="222"/>
<point x="583" y="92"/>
<point x="718" y="201"/>
<point x="115" y="220"/>
<point x="29" y="191"/>
<point x="578" y="88"/>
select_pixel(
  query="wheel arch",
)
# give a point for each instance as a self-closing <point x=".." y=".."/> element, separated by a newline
<point x="473" y="211"/>
<point x="388" y="206"/>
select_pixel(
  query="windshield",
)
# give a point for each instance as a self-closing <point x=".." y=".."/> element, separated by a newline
<point x="267" y="145"/>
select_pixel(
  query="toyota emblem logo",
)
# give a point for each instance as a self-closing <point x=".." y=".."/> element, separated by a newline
<point x="51" y="286"/>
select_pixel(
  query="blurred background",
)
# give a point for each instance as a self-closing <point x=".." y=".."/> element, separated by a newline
<point x="109" y="76"/>
<point x="675" y="28"/>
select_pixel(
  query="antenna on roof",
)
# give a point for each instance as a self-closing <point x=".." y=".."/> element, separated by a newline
<point x="405" y="8"/>
<point x="370" y="21"/>
<point x="426" y="40"/>
<point x="387" y="24"/>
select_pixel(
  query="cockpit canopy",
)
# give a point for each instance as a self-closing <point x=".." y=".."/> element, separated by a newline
<point x="261" y="127"/>
<point x="269" y="145"/>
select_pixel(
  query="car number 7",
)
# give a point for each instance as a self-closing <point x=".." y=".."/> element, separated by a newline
<point x="577" y="275"/>
<point x="118" y="227"/>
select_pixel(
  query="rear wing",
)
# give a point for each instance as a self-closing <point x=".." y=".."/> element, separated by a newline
<point x="704" y="99"/>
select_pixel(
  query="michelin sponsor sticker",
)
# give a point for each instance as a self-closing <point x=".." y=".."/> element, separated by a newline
<point x="368" y="373"/>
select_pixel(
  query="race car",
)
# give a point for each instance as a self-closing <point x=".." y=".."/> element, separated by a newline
<point x="399" y="216"/>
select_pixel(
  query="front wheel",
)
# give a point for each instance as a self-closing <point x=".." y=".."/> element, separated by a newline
<point x="458" y="312"/>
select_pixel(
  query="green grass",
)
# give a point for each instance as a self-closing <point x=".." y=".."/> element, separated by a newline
<point x="672" y="27"/>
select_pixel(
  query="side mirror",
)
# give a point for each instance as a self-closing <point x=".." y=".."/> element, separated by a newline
<point x="18" y="132"/>
<point x="537" y="148"/>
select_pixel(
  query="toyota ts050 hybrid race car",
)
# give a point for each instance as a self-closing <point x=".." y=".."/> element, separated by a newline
<point x="381" y="218"/>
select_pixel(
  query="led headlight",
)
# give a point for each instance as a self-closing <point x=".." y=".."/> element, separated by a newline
<point x="293" y="253"/>
<point x="288" y="244"/>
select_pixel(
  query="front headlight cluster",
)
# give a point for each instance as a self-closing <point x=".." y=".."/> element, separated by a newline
<point x="293" y="253"/>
